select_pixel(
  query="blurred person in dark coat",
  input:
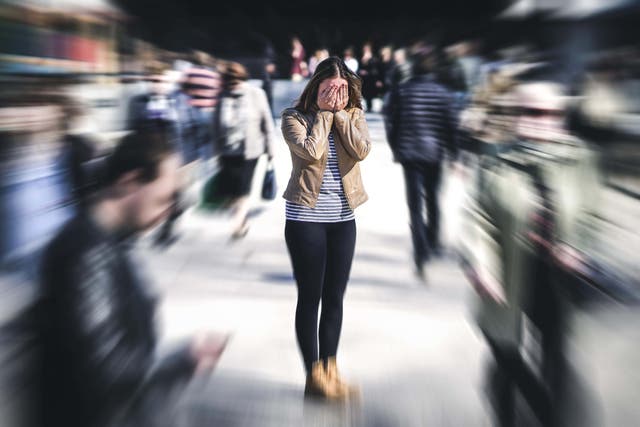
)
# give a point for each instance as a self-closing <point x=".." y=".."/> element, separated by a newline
<point x="419" y="124"/>
<point x="369" y="72"/>
<point x="386" y="66"/>
<point x="101" y="365"/>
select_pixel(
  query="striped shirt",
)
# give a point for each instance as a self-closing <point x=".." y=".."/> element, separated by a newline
<point x="203" y="86"/>
<point x="332" y="205"/>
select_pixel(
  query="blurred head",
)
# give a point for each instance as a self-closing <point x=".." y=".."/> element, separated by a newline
<point x="158" y="79"/>
<point x="367" y="48"/>
<point x="202" y="59"/>
<point x="331" y="70"/>
<point x="348" y="53"/>
<point x="424" y="59"/>
<point x="234" y="73"/>
<point x="386" y="53"/>
<point x="400" y="56"/>
<point x="142" y="177"/>
<point x="541" y="106"/>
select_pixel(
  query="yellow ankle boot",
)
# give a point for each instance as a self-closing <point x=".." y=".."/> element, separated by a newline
<point x="333" y="376"/>
<point x="318" y="384"/>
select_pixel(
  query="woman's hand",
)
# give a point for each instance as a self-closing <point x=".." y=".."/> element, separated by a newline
<point x="326" y="98"/>
<point x="341" y="99"/>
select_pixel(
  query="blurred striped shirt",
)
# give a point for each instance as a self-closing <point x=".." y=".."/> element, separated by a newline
<point x="332" y="205"/>
<point x="203" y="86"/>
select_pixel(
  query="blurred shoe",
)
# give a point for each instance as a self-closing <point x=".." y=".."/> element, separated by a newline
<point x="165" y="239"/>
<point x="240" y="233"/>
<point x="421" y="272"/>
<point x="318" y="384"/>
<point x="333" y="376"/>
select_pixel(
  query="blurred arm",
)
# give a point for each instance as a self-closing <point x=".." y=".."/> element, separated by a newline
<point x="266" y="123"/>
<point x="389" y="112"/>
<point x="117" y="355"/>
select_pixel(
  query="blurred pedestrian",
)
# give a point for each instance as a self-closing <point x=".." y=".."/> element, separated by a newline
<point x="370" y="73"/>
<point x="82" y="157"/>
<point x="269" y="71"/>
<point x="100" y="362"/>
<point x="318" y="56"/>
<point x="299" y="69"/>
<point x="350" y="60"/>
<point x="157" y="106"/>
<point x="328" y="136"/>
<point x="244" y="130"/>
<point x="537" y="201"/>
<point x="386" y="67"/>
<point x="419" y="124"/>
<point x="401" y="70"/>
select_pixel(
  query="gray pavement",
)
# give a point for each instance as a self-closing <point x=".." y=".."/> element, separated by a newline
<point x="410" y="346"/>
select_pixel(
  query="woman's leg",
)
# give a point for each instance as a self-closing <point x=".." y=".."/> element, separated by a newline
<point x="240" y="210"/>
<point x="341" y="240"/>
<point x="241" y="204"/>
<point x="307" y="245"/>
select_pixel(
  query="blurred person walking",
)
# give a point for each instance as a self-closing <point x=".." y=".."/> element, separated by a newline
<point x="537" y="198"/>
<point x="370" y="73"/>
<point x="318" y="56"/>
<point x="420" y="125"/>
<point x="350" y="60"/>
<point x="386" y="67"/>
<point x="82" y="157"/>
<point x="299" y="69"/>
<point x="100" y="364"/>
<point x="202" y="83"/>
<point x="401" y="69"/>
<point x="327" y="136"/>
<point x="244" y="130"/>
<point x="161" y="108"/>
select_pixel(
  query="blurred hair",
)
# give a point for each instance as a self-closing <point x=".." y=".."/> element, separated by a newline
<point x="233" y="74"/>
<point x="142" y="150"/>
<point x="424" y="59"/>
<point x="201" y="58"/>
<point x="156" y="67"/>
<point x="330" y="68"/>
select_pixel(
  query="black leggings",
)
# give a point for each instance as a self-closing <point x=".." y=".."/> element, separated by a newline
<point x="321" y="256"/>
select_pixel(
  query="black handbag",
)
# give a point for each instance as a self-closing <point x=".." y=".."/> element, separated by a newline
<point x="269" y="186"/>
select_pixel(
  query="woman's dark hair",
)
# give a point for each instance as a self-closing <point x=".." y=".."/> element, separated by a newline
<point x="330" y="68"/>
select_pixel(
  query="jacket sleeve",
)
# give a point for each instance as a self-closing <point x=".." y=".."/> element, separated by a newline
<point x="354" y="133"/>
<point x="389" y="110"/>
<point x="266" y="123"/>
<point x="118" y="364"/>
<point x="451" y="127"/>
<point x="307" y="144"/>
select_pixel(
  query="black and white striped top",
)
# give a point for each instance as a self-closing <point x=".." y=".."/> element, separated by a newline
<point x="332" y="205"/>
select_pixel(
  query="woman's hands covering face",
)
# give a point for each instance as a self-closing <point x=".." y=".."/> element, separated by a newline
<point x="333" y="97"/>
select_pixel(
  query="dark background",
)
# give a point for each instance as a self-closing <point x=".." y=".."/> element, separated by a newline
<point x="249" y="32"/>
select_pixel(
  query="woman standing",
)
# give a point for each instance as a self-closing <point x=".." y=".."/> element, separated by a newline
<point x="327" y="135"/>
<point x="244" y="130"/>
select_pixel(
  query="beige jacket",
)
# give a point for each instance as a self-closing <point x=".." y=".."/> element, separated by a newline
<point x="307" y="135"/>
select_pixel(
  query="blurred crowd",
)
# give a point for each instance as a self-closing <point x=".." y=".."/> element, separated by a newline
<point x="546" y="159"/>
